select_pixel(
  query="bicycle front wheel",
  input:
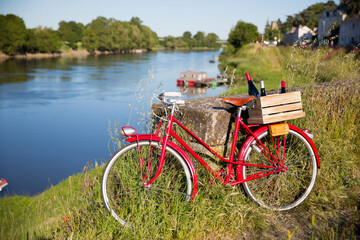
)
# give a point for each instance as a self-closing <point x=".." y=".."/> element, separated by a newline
<point x="123" y="190"/>
<point x="286" y="189"/>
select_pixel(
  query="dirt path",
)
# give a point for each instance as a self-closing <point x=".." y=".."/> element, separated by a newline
<point x="275" y="63"/>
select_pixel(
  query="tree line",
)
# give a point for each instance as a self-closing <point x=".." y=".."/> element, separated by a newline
<point x="200" y="39"/>
<point x="100" y="34"/>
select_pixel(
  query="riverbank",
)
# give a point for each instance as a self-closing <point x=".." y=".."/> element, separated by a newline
<point x="69" y="53"/>
<point x="83" y="52"/>
<point x="74" y="208"/>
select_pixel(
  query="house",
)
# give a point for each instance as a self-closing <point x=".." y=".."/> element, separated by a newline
<point x="350" y="31"/>
<point x="328" y="19"/>
<point x="298" y="35"/>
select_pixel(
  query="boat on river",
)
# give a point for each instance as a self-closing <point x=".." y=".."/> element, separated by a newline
<point x="191" y="78"/>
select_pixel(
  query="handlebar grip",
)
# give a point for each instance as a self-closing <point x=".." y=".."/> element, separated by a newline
<point x="177" y="101"/>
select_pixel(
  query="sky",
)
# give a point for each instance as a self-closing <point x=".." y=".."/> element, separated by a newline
<point x="165" y="17"/>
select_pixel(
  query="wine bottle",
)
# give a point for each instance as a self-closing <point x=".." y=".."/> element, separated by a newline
<point x="252" y="89"/>
<point x="282" y="90"/>
<point x="262" y="89"/>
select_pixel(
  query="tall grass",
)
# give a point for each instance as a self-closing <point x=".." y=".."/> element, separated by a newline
<point x="310" y="66"/>
<point x="73" y="209"/>
<point x="297" y="66"/>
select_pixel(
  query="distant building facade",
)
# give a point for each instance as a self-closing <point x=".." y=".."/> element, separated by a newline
<point x="350" y="31"/>
<point x="298" y="35"/>
<point x="274" y="25"/>
<point x="328" y="19"/>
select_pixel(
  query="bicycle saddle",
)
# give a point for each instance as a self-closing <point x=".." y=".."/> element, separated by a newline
<point x="238" y="101"/>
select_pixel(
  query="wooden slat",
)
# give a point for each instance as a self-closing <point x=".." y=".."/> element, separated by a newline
<point x="282" y="108"/>
<point x="283" y="116"/>
<point x="278" y="99"/>
<point x="255" y="121"/>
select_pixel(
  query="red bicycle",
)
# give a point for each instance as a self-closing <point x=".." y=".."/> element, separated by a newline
<point x="277" y="172"/>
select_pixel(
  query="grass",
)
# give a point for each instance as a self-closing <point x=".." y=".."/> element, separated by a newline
<point x="73" y="209"/>
<point x="296" y="66"/>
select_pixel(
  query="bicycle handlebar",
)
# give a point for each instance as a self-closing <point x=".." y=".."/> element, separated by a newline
<point x="171" y="94"/>
<point x="163" y="97"/>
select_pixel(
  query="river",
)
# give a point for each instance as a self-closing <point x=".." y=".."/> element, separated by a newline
<point x="55" y="113"/>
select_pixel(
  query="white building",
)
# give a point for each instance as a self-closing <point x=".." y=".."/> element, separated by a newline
<point x="350" y="31"/>
<point x="299" y="35"/>
<point x="328" y="19"/>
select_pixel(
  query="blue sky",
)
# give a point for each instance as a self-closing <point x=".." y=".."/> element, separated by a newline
<point x="165" y="17"/>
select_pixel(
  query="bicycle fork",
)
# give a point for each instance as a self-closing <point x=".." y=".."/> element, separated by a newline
<point x="163" y="149"/>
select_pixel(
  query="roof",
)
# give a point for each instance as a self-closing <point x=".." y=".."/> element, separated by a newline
<point x="354" y="18"/>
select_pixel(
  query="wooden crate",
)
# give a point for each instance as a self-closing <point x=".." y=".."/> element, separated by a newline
<point x="276" y="108"/>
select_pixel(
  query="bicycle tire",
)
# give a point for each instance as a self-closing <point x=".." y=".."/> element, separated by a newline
<point x="284" y="190"/>
<point x="122" y="187"/>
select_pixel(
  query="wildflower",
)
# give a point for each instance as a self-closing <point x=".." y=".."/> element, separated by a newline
<point x="313" y="220"/>
<point x="65" y="219"/>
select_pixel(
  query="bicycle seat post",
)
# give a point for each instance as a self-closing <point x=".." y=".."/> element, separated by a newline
<point x="240" y="109"/>
<point x="173" y="106"/>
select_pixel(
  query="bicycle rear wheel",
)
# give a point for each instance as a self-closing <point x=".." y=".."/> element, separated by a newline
<point x="123" y="191"/>
<point x="286" y="189"/>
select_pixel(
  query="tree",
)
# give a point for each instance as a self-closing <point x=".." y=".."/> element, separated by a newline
<point x="187" y="35"/>
<point x="47" y="40"/>
<point x="211" y="40"/>
<point x="101" y="26"/>
<point x="352" y="5"/>
<point x="200" y="38"/>
<point x="31" y="44"/>
<point x="242" y="34"/>
<point x="149" y="38"/>
<point x="89" y="40"/>
<point x="114" y="35"/>
<point x="308" y="17"/>
<point x="12" y="34"/>
<point x="136" y="21"/>
<point x="70" y="32"/>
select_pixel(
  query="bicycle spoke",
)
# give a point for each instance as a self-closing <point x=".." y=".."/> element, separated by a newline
<point x="166" y="190"/>
<point x="124" y="187"/>
<point x="288" y="188"/>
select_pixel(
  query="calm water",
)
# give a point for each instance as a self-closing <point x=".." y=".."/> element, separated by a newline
<point x="55" y="113"/>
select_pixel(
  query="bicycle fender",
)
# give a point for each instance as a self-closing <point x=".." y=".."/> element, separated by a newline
<point x="250" y="139"/>
<point x="156" y="138"/>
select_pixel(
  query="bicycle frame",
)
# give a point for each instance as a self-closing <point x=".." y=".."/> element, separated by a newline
<point x="235" y="165"/>
<point x="239" y="123"/>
